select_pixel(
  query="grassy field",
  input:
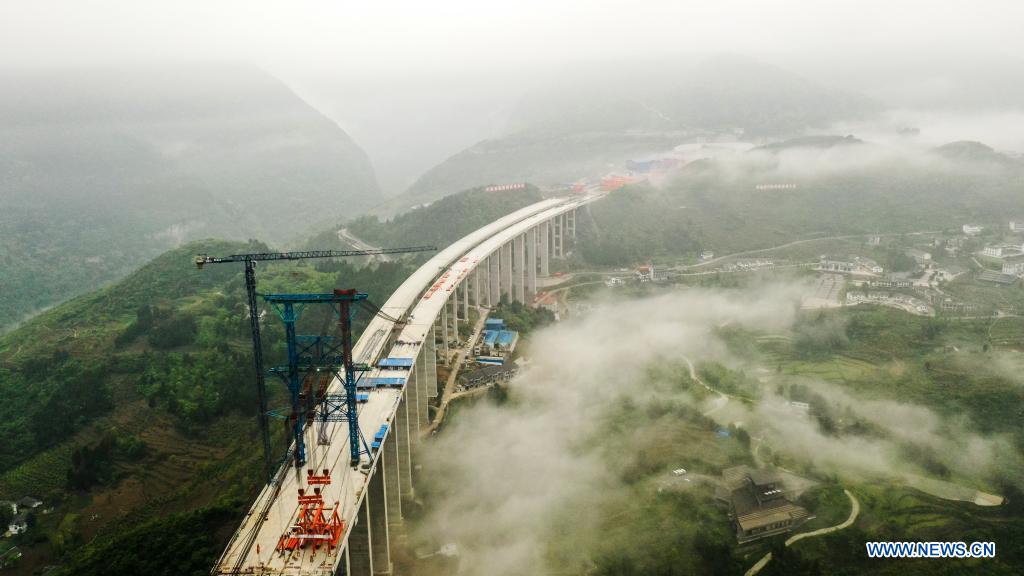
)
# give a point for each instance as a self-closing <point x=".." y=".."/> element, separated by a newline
<point x="902" y="514"/>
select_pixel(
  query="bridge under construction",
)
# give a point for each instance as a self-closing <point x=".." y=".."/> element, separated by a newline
<point x="330" y="517"/>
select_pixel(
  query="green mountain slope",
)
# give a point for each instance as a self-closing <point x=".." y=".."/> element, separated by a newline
<point x="130" y="406"/>
<point x="833" y="186"/>
<point x="131" y="409"/>
<point x="437" y="224"/>
<point x="101" y="170"/>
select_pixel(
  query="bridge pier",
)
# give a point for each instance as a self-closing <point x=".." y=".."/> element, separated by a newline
<point x="431" y="356"/>
<point x="344" y="568"/>
<point x="412" y="392"/>
<point x="493" y="277"/>
<point x="518" y="268"/>
<point x="392" y="482"/>
<point x="360" y="555"/>
<point x="444" y="330"/>
<point x="453" y="299"/>
<point x="419" y="382"/>
<point x="505" y="270"/>
<point x="476" y="286"/>
<point x="545" y="247"/>
<point x="403" y="435"/>
<point x="565" y="232"/>
<point x="377" y="509"/>
<point x="555" y="237"/>
<point x="465" y="299"/>
<point x="531" y="264"/>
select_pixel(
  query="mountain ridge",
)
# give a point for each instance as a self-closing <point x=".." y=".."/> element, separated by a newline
<point x="146" y="160"/>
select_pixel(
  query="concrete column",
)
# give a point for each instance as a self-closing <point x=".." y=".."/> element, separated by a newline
<point x="557" y="236"/>
<point x="432" y="366"/>
<point x="485" y="288"/>
<point x="493" y="279"/>
<point x="392" y="484"/>
<point x="519" y="268"/>
<point x="506" y="270"/>
<point x="572" y="223"/>
<point x="360" y="554"/>
<point x="422" y="411"/>
<point x="444" y="324"/>
<point x="377" y="510"/>
<point x="476" y="286"/>
<point x="531" y="264"/>
<point x="563" y="237"/>
<point x="453" y="299"/>
<point x="545" y="247"/>
<point x="403" y="439"/>
<point x="412" y="391"/>
<point x="465" y="299"/>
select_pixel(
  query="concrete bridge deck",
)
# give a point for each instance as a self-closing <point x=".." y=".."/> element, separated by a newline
<point x="503" y="258"/>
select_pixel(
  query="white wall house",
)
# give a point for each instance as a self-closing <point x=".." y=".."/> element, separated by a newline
<point x="1014" y="266"/>
<point x="18" y="524"/>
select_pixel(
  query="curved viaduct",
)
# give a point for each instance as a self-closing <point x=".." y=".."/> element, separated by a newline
<point x="504" y="258"/>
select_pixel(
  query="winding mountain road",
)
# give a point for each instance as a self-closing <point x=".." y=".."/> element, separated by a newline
<point x="854" y="512"/>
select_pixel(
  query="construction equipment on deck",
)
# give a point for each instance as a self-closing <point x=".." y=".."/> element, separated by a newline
<point x="250" y="260"/>
<point x="321" y="359"/>
<point x="316" y="523"/>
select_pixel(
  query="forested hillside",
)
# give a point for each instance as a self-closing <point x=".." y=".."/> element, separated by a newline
<point x="815" y="187"/>
<point x="127" y="408"/>
<point x="131" y="409"/>
<point x="101" y="170"/>
<point x="438" y="224"/>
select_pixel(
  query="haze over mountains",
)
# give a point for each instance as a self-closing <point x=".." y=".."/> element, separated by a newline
<point x="591" y="116"/>
<point x="102" y="169"/>
<point x="794" y="281"/>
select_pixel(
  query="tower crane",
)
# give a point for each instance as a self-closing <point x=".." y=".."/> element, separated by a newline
<point x="250" y="260"/>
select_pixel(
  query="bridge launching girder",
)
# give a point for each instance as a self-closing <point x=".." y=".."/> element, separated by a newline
<point x="319" y="355"/>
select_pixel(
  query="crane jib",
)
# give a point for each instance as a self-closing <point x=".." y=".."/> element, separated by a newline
<point x="265" y="256"/>
<point x="250" y="289"/>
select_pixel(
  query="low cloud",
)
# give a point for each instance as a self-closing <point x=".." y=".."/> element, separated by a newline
<point x="502" y="477"/>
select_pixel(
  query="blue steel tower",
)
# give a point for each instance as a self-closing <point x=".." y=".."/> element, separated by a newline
<point x="323" y="356"/>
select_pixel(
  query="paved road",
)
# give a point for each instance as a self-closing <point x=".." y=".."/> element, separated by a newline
<point x="460" y="358"/>
<point x="358" y="244"/>
<point x="723" y="398"/>
<point x="854" y="512"/>
<point x="798" y="242"/>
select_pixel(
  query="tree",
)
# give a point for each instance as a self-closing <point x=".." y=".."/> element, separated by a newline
<point x="743" y="437"/>
<point x="6" y="515"/>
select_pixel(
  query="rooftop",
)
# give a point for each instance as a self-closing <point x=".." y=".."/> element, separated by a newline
<point x="29" y="502"/>
<point x="739" y="476"/>
<point x="770" y="513"/>
<point x="997" y="277"/>
<point x="485" y="372"/>
<point x="500" y="337"/>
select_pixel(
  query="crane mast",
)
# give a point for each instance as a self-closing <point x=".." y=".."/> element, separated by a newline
<point x="250" y="260"/>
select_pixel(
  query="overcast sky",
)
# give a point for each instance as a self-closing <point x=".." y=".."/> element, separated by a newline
<point x="385" y="37"/>
<point x="374" y="63"/>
